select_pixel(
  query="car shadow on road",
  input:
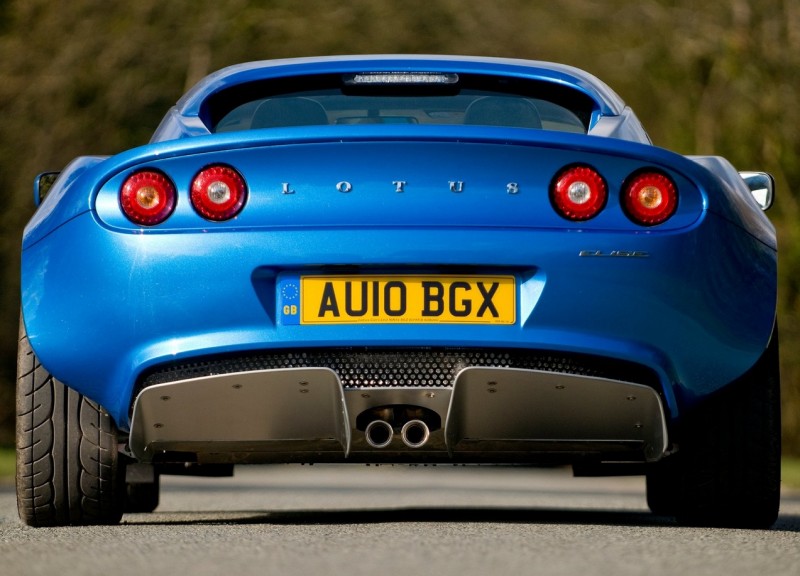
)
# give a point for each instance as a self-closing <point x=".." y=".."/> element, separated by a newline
<point x="477" y="515"/>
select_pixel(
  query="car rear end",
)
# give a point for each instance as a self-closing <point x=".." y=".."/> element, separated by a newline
<point x="398" y="283"/>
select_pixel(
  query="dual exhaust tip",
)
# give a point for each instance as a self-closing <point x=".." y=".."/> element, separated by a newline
<point x="415" y="433"/>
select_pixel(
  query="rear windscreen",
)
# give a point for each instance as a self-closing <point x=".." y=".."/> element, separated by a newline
<point x="399" y="98"/>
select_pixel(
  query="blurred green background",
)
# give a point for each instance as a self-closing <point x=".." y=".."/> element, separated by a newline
<point x="95" y="77"/>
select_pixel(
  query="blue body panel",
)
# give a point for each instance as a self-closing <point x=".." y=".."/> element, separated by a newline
<point x="105" y="300"/>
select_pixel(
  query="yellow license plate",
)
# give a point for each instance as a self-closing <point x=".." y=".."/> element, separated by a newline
<point x="412" y="299"/>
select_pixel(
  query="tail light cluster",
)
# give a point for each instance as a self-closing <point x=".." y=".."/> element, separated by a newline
<point x="217" y="193"/>
<point x="648" y="197"/>
<point x="147" y="197"/>
<point x="578" y="192"/>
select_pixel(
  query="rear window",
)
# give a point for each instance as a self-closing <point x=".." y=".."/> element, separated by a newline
<point x="399" y="98"/>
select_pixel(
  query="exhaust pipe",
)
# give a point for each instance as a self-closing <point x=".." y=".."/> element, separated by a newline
<point x="379" y="433"/>
<point x="415" y="433"/>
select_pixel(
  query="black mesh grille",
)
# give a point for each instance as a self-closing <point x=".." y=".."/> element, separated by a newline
<point x="404" y="367"/>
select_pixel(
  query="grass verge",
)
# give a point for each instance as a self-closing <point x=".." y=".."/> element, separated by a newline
<point x="8" y="465"/>
<point x="790" y="472"/>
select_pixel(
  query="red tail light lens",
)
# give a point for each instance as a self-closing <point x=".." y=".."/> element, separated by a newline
<point x="147" y="197"/>
<point x="218" y="193"/>
<point x="578" y="193"/>
<point x="649" y="198"/>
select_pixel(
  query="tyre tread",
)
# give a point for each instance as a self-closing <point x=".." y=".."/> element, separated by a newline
<point x="67" y="461"/>
<point x="727" y="472"/>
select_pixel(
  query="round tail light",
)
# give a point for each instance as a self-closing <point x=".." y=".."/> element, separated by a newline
<point x="218" y="193"/>
<point x="578" y="193"/>
<point x="649" y="198"/>
<point x="147" y="197"/>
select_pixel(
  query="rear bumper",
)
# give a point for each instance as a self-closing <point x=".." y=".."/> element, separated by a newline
<point x="695" y="312"/>
<point x="487" y="415"/>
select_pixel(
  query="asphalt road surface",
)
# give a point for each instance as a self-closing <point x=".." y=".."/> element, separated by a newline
<point x="393" y="520"/>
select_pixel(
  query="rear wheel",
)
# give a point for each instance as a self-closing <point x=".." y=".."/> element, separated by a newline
<point x="68" y="468"/>
<point x="662" y="494"/>
<point x="143" y="488"/>
<point x="727" y="470"/>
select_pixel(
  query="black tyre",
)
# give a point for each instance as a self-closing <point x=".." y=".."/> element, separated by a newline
<point x="143" y="496"/>
<point x="68" y="468"/>
<point x="727" y="470"/>
<point x="662" y="495"/>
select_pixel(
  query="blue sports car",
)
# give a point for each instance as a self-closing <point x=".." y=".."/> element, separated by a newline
<point x="399" y="259"/>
